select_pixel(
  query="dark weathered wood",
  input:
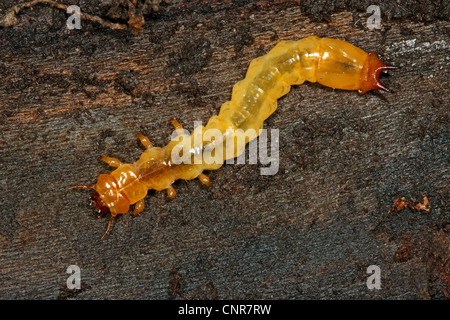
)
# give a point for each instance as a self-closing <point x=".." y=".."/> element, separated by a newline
<point x="310" y="231"/>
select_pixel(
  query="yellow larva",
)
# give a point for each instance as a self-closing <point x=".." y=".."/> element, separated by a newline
<point x="330" y="62"/>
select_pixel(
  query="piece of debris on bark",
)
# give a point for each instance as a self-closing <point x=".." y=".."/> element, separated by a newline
<point x="400" y="204"/>
<point x="9" y="19"/>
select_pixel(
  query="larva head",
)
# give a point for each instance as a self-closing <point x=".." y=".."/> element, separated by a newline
<point x="109" y="196"/>
<point x="371" y="72"/>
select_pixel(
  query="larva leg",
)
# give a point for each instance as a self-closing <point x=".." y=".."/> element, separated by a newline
<point x="113" y="162"/>
<point x="204" y="179"/>
<point x="178" y="127"/>
<point x="109" y="226"/>
<point x="138" y="207"/>
<point x="171" y="192"/>
<point x="144" y="140"/>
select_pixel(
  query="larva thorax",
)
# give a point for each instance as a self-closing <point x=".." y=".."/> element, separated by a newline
<point x="331" y="62"/>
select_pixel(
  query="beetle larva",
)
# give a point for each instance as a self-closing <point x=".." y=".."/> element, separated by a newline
<point x="330" y="62"/>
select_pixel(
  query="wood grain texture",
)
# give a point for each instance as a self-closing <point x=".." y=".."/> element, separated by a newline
<point x="310" y="231"/>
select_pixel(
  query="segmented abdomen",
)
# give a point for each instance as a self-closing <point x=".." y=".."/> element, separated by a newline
<point x="254" y="98"/>
<point x="268" y="78"/>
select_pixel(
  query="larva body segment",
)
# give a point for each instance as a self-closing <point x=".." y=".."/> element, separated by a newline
<point x="333" y="63"/>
